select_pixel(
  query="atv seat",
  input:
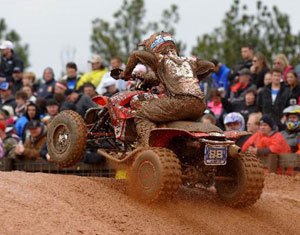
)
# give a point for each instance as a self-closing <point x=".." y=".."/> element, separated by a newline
<point x="191" y="126"/>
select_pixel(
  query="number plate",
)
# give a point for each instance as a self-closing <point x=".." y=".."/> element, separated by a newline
<point x="215" y="155"/>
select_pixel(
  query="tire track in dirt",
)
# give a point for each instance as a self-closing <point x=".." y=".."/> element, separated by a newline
<point x="36" y="203"/>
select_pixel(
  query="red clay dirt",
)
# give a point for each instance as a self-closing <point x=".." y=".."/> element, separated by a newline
<point x="36" y="203"/>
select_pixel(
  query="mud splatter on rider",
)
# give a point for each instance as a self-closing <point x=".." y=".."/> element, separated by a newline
<point x="180" y="78"/>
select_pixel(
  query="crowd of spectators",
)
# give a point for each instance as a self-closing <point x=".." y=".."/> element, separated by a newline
<point x="254" y="95"/>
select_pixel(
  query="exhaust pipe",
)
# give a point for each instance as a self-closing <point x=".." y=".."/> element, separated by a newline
<point x="234" y="151"/>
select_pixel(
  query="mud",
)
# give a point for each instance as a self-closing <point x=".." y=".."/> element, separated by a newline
<point x="36" y="203"/>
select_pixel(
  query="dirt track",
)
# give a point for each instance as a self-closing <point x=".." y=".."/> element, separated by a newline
<point x="59" y="204"/>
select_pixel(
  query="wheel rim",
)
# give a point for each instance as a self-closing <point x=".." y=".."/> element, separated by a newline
<point x="61" y="138"/>
<point x="147" y="175"/>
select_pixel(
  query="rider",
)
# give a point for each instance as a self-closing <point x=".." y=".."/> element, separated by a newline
<point x="180" y="78"/>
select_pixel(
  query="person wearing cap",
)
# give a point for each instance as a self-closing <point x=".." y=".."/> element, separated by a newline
<point x="34" y="142"/>
<point x="94" y="76"/>
<point x="6" y="95"/>
<point x="274" y="98"/>
<point x="9" y="60"/>
<point x="267" y="140"/>
<point x="115" y="63"/>
<point x="46" y="90"/>
<point x="239" y="90"/>
<point x="10" y="141"/>
<point x="17" y="83"/>
<point x="110" y="86"/>
<point x="292" y="130"/>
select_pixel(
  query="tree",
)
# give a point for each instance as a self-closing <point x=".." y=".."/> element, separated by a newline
<point x="129" y="28"/>
<point x="21" y="49"/>
<point x="267" y="30"/>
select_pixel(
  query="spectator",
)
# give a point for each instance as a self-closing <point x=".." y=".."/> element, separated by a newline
<point x="220" y="75"/>
<point x="292" y="131"/>
<point x="247" y="54"/>
<point x="29" y="79"/>
<point x="234" y="127"/>
<point x="77" y="102"/>
<point x="4" y="116"/>
<point x="234" y="122"/>
<point x="46" y="90"/>
<point x="9" y="142"/>
<point x="110" y="86"/>
<point x="17" y="83"/>
<point x="267" y="81"/>
<point x="215" y="105"/>
<point x="72" y="77"/>
<point x="239" y="90"/>
<point x="29" y="91"/>
<point x="52" y="108"/>
<point x="59" y="91"/>
<point x="281" y="62"/>
<point x="21" y="100"/>
<point x="95" y="76"/>
<point x="267" y="140"/>
<point x="274" y="98"/>
<point x="248" y="105"/>
<point x="7" y="115"/>
<point x="258" y="69"/>
<point x="9" y="60"/>
<point x="32" y="113"/>
<point x="7" y="97"/>
<point x="89" y="90"/>
<point x="209" y="118"/>
<point x="293" y="84"/>
<point x="33" y="143"/>
<point x="115" y="63"/>
<point x="254" y="122"/>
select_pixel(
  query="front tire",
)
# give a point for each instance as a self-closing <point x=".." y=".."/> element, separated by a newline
<point x="247" y="184"/>
<point x="66" y="138"/>
<point x="155" y="175"/>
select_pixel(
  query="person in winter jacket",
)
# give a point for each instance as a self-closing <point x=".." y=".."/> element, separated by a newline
<point x="267" y="140"/>
<point x="274" y="98"/>
<point x="33" y="143"/>
<point x="46" y="90"/>
<point x="9" y="60"/>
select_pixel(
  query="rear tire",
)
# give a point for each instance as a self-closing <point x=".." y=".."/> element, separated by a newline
<point x="248" y="183"/>
<point x="155" y="175"/>
<point x="66" y="138"/>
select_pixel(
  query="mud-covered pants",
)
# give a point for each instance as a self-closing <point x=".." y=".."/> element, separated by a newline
<point x="165" y="110"/>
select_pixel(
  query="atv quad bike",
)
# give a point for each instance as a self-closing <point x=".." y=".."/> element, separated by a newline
<point x="180" y="153"/>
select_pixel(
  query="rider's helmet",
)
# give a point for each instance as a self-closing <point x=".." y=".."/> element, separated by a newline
<point x="295" y="123"/>
<point x="161" y="42"/>
<point x="235" y="117"/>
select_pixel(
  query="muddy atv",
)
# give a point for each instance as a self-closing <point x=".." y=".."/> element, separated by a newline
<point x="180" y="153"/>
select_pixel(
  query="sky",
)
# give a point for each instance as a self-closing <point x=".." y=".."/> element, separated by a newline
<point x="58" y="31"/>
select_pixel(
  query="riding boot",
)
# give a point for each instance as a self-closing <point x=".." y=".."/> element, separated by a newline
<point x="143" y="128"/>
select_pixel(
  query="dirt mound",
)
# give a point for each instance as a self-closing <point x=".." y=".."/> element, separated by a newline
<point x="60" y="204"/>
